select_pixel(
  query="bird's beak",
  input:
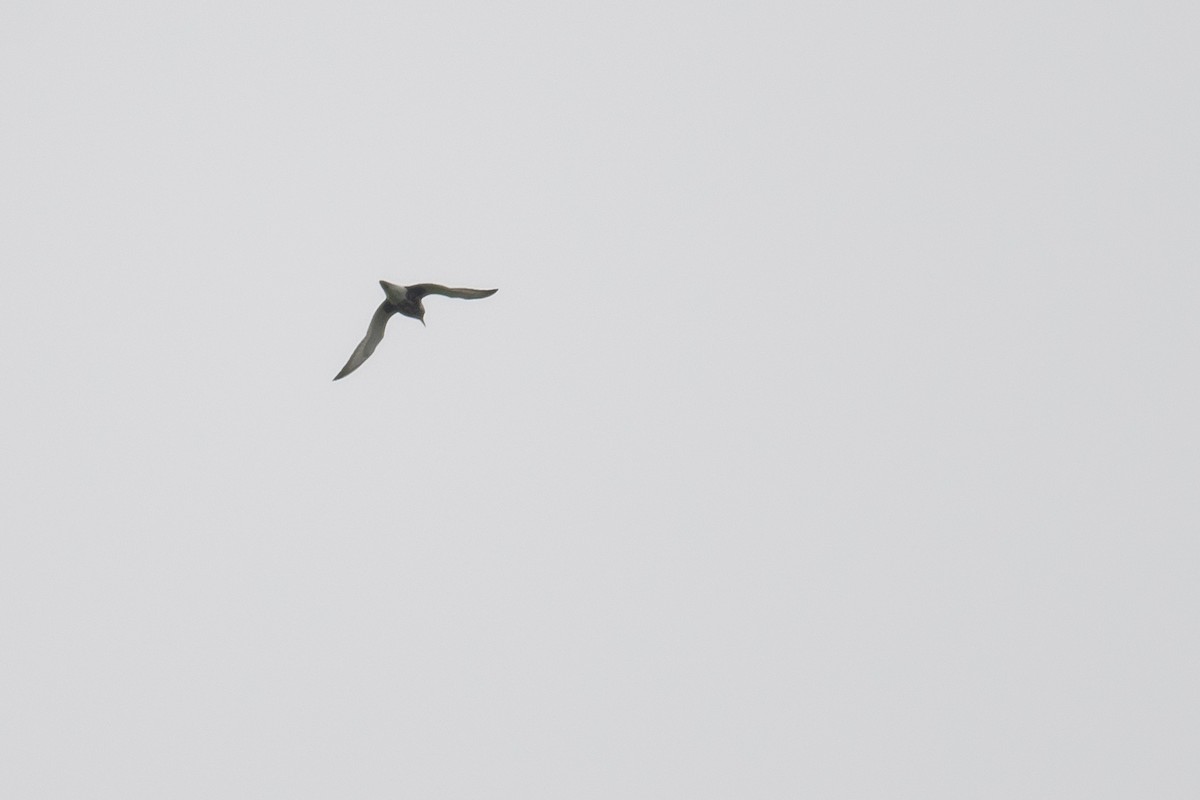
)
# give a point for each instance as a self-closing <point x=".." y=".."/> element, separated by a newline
<point x="422" y="322"/>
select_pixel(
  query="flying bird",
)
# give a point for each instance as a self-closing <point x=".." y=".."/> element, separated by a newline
<point x="404" y="300"/>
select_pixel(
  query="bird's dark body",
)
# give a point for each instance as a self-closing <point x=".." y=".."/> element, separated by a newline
<point x="408" y="308"/>
<point x="407" y="300"/>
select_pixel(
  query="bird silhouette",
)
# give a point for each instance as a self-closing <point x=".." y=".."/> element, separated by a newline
<point x="406" y="300"/>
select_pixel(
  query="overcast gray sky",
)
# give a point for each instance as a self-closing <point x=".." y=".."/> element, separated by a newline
<point x="833" y="433"/>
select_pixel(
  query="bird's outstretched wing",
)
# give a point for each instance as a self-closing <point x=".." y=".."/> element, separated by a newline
<point x="379" y="321"/>
<point x="419" y="290"/>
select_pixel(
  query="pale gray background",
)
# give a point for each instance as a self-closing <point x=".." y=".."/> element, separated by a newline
<point x="833" y="433"/>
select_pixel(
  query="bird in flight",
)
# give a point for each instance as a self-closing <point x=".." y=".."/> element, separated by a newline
<point x="404" y="300"/>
